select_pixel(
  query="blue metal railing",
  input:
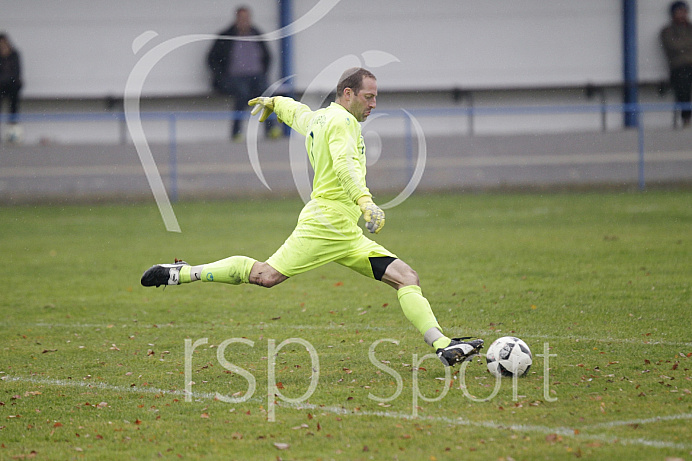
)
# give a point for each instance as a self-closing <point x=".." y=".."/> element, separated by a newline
<point x="173" y="118"/>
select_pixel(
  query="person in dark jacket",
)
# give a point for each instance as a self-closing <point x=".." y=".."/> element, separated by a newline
<point x="676" y="39"/>
<point x="239" y="67"/>
<point x="10" y="76"/>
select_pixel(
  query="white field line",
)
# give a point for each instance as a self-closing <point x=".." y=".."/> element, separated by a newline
<point x="654" y="419"/>
<point x="332" y="326"/>
<point x="103" y="386"/>
<point x="563" y="431"/>
<point x="608" y="339"/>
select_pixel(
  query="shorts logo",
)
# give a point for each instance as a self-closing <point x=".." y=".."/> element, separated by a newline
<point x="210" y="276"/>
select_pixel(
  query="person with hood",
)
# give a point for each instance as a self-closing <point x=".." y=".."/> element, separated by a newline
<point x="676" y="39"/>
<point x="239" y="63"/>
<point x="10" y="83"/>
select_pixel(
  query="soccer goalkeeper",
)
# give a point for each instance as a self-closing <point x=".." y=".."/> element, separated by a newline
<point x="327" y="229"/>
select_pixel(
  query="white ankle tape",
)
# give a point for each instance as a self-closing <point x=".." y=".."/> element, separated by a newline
<point x="432" y="335"/>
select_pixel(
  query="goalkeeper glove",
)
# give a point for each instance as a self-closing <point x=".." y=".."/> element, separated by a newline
<point x="262" y="104"/>
<point x="373" y="215"/>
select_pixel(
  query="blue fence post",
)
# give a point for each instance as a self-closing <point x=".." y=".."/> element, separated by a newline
<point x="286" y="44"/>
<point x="286" y="18"/>
<point x="640" y="139"/>
<point x="629" y="60"/>
<point x="173" y="157"/>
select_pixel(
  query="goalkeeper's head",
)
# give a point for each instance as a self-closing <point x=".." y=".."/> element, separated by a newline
<point x="357" y="92"/>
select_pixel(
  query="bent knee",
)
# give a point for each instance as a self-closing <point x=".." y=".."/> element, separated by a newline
<point x="406" y="275"/>
<point x="262" y="274"/>
<point x="410" y="277"/>
<point x="268" y="281"/>
<point x="399" y="274"/>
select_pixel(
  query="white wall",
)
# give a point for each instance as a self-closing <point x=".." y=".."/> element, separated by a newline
<point x="473" y="43"/>
<point x="83" y="49"/>
<point x="73" y="48"/>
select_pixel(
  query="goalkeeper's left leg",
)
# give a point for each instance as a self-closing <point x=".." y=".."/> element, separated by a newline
<point x="417" y="310"/>
<point x="415" y="306"/>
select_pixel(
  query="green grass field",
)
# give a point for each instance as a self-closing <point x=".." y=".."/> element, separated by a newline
<point x="93" y="365"/>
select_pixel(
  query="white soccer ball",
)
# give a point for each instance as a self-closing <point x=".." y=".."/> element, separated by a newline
<point x="508" y="356"/>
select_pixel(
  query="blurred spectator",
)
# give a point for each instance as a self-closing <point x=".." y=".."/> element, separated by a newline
<point x="10" y="82"/>
<point x="239" y="67"/>
<point x="676" y="39"/>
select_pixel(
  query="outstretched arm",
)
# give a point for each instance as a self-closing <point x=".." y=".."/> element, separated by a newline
<point x="291" y="112"/>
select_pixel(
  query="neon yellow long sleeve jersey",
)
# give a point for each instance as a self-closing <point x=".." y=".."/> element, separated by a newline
<point x="335" y="147"/>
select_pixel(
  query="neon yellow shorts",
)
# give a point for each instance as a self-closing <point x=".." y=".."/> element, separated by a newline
<point x="325" y="233"/>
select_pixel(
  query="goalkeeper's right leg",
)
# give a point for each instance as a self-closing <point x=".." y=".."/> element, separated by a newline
<point x="234" y="270"/>
<point x="163" y="274"/>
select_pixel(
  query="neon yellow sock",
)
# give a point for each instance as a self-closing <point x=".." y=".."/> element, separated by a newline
<point x="417" y="310"/>
<point x="234" y="270"/>
<point x="184" y="276"/>
<point x="441" y="343"/>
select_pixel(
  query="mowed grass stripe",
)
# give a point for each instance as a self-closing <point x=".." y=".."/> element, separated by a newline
<point x="604" y="278"/>
<point x="576" y="432"/>
<point x="269" y="326"/>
